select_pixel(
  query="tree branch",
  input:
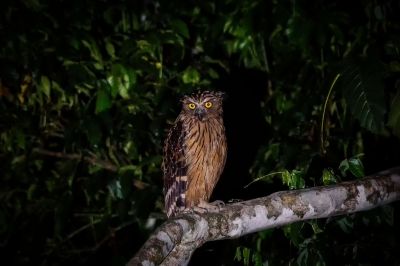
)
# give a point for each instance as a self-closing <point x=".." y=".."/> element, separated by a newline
<point x="174" y="242"/>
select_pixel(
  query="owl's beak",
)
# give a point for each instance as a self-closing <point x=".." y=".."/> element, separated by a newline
<point x="200" y="114"/>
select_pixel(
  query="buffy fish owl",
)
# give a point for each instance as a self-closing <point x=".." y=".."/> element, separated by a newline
<point x="194" y="152"/>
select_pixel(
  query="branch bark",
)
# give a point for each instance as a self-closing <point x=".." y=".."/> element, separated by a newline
<point x="174" y="242"/>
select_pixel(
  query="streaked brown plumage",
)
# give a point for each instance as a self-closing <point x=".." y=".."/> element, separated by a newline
<point x="194" y="152"/>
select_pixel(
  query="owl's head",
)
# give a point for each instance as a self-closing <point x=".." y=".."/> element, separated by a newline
<point x="203" y="105"/>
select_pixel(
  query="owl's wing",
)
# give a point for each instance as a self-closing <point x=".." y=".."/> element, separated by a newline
<point x="175" y="170"/>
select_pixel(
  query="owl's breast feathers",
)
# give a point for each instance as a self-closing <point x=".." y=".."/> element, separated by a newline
<point x="194" y="158"/>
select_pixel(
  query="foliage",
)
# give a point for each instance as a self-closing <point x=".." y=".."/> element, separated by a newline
<point x="88" y="88"/>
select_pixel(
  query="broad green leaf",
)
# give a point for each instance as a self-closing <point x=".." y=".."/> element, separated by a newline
<point x="110" y="49"/>
<point x="302" y="259"/>
<point x="293" y="233"/>
<point x="115" y="189"/>
<point x="45" y="85"/>
<point x="328" y="177"/>
<point x="238" y="254"/>
<point x="315" y="227"/>
<point x="103" y="101"/>
<point x="246" y="256"/>
<point x="344" y="167"/>
<point x="356" y="167"/>
<point x="180" y="27"/>
<point x="191" y="76"/>
<point x="146" y="48"/>
<point x="31" y="190"/>
<point x="94" y="52"/>
<point x="363" y="91"/>
<point x="130" y="149"/>
<point x="50" y="185"/>
<point x="257" y="259"/>
<point x="126" y="168"/>
<point x="121" y="80"/>
<point x="286" y="177"/>
<point x="18" y="159"/>
<point x="293" y="179"/>
<point x="213" y="74"/>
<point x="298" y="179"/>
<point x="109" y="204"/>
<point x="346" y="224"/>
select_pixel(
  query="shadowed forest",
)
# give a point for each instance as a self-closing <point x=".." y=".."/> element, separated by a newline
<point x="88" y="90"/>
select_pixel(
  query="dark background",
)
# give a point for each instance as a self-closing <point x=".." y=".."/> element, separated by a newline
<point x="89" y="88"/>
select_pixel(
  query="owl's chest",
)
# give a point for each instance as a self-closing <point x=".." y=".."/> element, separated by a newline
<point x="204" y="141"/>
<point x="206" y="150"/>
<point x="205" y="154"/>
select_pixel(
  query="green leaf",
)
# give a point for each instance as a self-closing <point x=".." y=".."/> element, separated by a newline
<point x="213" y="74"/>
<point x="115" y="189"/>
<point x="286" y="177"/>
<point x="190" y="75"/>
<point x="356" y="167"/>
<point x="246" y="256"/>
<point x="293" y="179"/>
<point x="302" y="259"/>
<point x="110" y="49"/>
<point x="293" y="233"/>
<point x="31" y="190"/>
<point x="315" y="227"/>
<point x="121" y="80"/>
<point x="346" y="224"/>
<point x="180" y="27"/>
<point x="45" y="85"/>
<point x="257" y="259"/>
<point x="363" y="91"/>
<point x="103" y="101"/>
<point x="328" y="177"/>
<point x="238" y="254"/>
<point x="299" y="181"/>
<point x="94" y="52"/>
<point x="344" y="167"/>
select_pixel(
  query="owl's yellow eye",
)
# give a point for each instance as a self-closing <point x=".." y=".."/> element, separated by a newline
<point x="208" y="104"/>
<point x="191" y="106"/>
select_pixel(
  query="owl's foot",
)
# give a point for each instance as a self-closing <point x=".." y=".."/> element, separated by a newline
<point x="204" y="206"/>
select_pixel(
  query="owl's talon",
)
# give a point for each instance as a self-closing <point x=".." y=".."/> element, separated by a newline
<point x="199" y="210"/>
<point x="215" y="206"/>
<point x="188" y="211"/>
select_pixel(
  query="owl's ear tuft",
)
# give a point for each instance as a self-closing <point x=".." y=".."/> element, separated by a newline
<point x="184" y="99"/>
<point x="220" y="94"/>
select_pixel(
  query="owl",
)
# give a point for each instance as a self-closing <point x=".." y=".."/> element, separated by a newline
<point x="194" y="152"/>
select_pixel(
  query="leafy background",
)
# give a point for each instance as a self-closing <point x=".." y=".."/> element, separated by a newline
<point x="88" y="89"/>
